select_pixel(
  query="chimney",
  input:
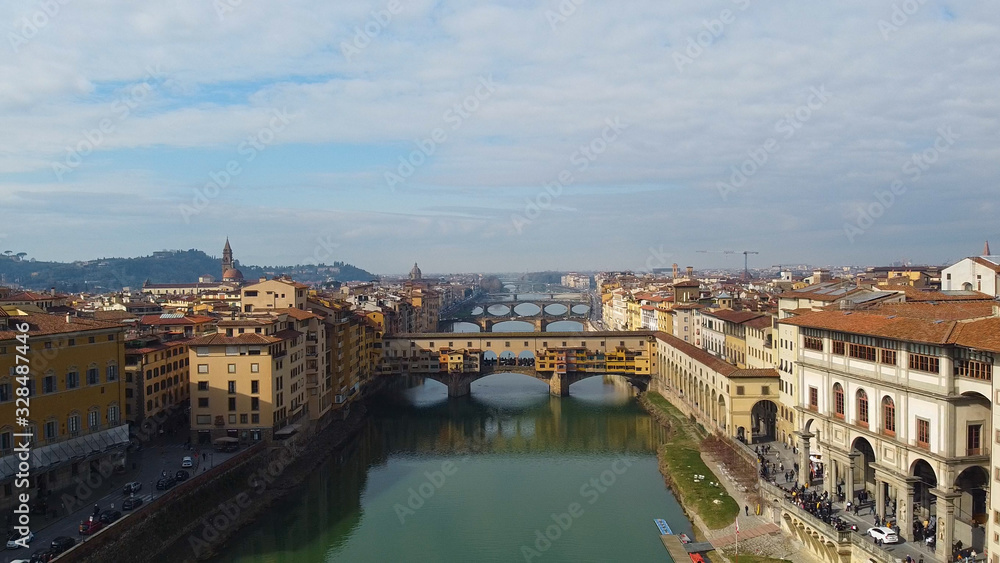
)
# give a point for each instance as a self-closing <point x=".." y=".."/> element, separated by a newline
<point x="690" y="272"/>
<point x="52" y="290"/>
<point x="67" y="318"/>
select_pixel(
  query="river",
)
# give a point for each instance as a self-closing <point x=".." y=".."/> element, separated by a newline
<point x="480" y="478"/>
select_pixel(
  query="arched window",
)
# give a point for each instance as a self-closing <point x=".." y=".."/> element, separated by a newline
<point x="888" y="416"/>
<point x="862" y="408"/>
<point x="838" y="400"/>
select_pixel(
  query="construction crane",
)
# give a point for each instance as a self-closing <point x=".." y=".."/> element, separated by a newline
<point x="746" y="258"/>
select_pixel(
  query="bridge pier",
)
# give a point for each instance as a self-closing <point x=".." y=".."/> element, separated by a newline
<point x="559" y="385"/>
<point x="459" y="388"/>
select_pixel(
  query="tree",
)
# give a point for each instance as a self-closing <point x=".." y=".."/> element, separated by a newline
<point x="21" y="255"/>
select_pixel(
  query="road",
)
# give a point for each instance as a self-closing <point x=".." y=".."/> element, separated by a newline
<point x="163" y="454"/>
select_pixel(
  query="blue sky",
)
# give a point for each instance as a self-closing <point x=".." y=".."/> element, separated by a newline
<point x="536" y="139"/>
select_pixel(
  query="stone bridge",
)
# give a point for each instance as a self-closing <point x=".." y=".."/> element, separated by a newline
<point x="540" y="322"/>
<point x="415" y="354"/>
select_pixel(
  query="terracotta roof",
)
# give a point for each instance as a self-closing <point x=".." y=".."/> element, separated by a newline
<point x="884" y="326"/>
<point x="697" y="354"/>
<point x="763" y="321"/>
<point x="984" y="262"/>
<point x="915" y="295"/>
<point x="41" y="325"/>
<point x="174" y="320"/>
<point x="648" y="308"/>
<point x="287" y="334"/>
<point x="688" y="283"/>
<point x="238" y="340"/>
<point x="736" y="317"/>
<point x="983" y="334"/>
<point x="297" y="314"/>
<point x="31" y="296"/>
<point x="953" y="311"/>
<point x="754" y="373"/>
<point x="113" y="315"/>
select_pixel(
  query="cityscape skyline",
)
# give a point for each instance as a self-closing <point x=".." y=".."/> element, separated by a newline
<point x="865" y="133"/>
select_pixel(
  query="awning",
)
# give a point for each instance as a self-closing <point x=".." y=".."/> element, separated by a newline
<point x="227" y="440"/>
<point x="288" y="430"/>
<point x="49" y="457"/>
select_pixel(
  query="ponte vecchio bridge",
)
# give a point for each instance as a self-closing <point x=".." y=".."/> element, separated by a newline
<point x="487" y="319"/>
<point x="558" y="358"/>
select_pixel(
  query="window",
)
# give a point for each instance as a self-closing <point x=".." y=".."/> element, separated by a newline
<point x="49" y="384"/>
<point x="255" y="403"/>
<point x="243" y="418"/>
<point x="812" y="343"/>
<point x="92" y="376"/>
<point x="232" y="403"/>
<point x="91" y="340"/>
<point x="51" y="429"/>
<point x="974" y="437"/>
<point x="232" y="387"/>
<point x="888" y="357"/>
<point x="232" y="368"/>
<point x="5" y="392"/>
<point x="254" y="368"/>
<point x="862" y="408"/>
<point x="202" y="368"/>
<point x="73" y="424"/>
<point x="203" y="386"/>
<point x="862" y="352"/>
<point x="6" y="441"/>
<point x="72" y="380"/>
<point x="923" y="433"/>
<point x="765" y="390"/>
<point x="204" y="419"/>
<point x="112" y="373"/>
<point x="921" y="362"/>
<point x="93" y="419"/>
<point x="255" y="419"/>
<point x="113" y="415"/>
<point x="739" y="390"/>
<point x="232" y="419"/>
<point x="255" y="386"/>
<point x="203" y="402"/>
<point x="889" y="415"/>
<point x="838" y="400"/>
<point x="838" y="347"/>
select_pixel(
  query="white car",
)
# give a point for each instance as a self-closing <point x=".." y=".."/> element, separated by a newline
<point x="12" y="540"/>
<point x="187" y="462"/>
<point x="887" y="535"/>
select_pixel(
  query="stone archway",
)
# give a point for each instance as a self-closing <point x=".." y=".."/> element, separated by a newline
<point x="764" y="421"/>
<point x="863" y="466"/>
<point x="971" y="512"/>
<point x="923" y="501"/>
<point x="722" y="413"/>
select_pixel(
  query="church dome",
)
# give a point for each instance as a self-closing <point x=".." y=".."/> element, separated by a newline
<point x="232" y="274"/>
<point x="415" y="272"/>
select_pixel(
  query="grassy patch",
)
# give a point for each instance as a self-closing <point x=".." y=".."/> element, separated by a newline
<point x="682" y="459"/>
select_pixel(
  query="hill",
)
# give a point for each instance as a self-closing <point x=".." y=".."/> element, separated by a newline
<point x="173" y="266"/>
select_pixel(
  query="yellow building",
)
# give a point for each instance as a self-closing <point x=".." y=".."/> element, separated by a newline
<point x="156" y="378"/>
<point x="76" y="399"/>
<point x="278" y="293"/>
<point x="249" y="380"/>
<point x="344" y="341"/>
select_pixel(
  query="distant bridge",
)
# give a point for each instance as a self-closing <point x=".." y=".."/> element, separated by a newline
<point x="417" y="354"/>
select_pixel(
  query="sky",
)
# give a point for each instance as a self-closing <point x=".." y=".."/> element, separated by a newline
<point x="501" y="135"/>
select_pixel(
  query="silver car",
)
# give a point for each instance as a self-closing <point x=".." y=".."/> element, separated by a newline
<point x="887" y="535"/>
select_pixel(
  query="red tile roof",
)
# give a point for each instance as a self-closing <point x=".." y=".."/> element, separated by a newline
<point x="241" y="339"/>
<point x="43" y="325"/>
<point x="983" y="334"/>
<point x="919" y="326"/>
<point x="736" y="317"/>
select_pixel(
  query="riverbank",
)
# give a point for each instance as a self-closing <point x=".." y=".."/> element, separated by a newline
<point x="704" y="499"/>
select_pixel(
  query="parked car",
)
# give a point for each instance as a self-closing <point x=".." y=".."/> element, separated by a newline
<point x="187" y="462"/>
<point x="14" y="540"/>
<point x="88" y="527"/>
<point x="132" y="503"/>
<point x="182" y="475"/>
<point x="61" y="544"/>
<point x="165" y="483"/>
<point x="887" y="535"/>
<point x="133" y="487"/>
<point x="42" y="556"/>
<point x="109" y="516"/>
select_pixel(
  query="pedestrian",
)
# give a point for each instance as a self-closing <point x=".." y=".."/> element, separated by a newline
<point x="746" y="509"/>
<point x="872" y="509"/>
<point x="97" y="510"/>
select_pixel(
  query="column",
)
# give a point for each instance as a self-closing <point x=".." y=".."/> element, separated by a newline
<point x="904" y="507"/>
<point x="830" y="479"/>
<point x="849" y="477"/>
<point x="945" y="521"/>
<point x="803" y="439"/>
<point x="880" y="497"/>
